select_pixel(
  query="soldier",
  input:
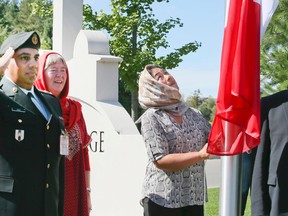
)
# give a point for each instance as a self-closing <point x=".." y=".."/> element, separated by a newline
<point x="32" y="136"/>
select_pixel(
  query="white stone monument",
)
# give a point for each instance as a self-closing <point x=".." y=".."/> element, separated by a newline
<point x="117" y="152"/>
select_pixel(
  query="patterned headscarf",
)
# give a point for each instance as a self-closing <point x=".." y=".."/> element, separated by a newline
<point x="154" y="94"/>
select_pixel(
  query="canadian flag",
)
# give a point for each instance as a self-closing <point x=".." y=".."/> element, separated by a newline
<point x="236" y="126"/>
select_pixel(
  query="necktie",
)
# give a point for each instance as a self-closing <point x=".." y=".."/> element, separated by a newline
<point x="40" y="106"/>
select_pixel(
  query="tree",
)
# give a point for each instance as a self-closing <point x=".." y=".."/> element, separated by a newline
<point x="26" y="15"/>
<point x="274" y="49"/>
<point x="195" y="99"/>
<point x="136" y="35"/>
<point x="206" y="106"/>
<point x="8" y="12"/>
<point x="44" y="10"/>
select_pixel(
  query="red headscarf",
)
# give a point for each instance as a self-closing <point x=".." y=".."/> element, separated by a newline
<point x="71" y="109"/>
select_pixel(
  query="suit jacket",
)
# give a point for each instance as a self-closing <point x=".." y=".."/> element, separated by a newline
<point x="31" y="167"/>
<point x="270" y="176"/>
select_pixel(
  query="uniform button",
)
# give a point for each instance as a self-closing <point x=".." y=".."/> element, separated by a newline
<point x="20" y="120"/>
<point x="48" y="166"/>
<point x="48" y="146"/>
<point x="47" y="186"/>
<point x="47" y="127"/>
<point x="14" y="89"/>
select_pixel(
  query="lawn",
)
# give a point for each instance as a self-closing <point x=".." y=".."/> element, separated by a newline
<point x="212" y="207"/>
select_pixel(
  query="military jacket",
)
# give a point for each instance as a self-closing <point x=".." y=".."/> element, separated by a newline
<point x="31" y="167"/>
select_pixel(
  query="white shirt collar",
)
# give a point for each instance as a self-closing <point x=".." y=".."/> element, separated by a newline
<point x="27" y="91"/>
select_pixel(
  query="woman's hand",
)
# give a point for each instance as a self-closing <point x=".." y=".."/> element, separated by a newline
<point x="203" y="153"/>
<point x="5" y="59"/>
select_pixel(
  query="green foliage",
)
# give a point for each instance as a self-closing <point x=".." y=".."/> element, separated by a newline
<point x="124" y="97"/>
<point x="8" y="11"/>
<point x="274" y="48"/>
<point x="27" y="15"/>
<point x="43" y="9"/>
<point x="195" y="99"/>
<point x="136" y="35"/>
<point x="206" y="106"/>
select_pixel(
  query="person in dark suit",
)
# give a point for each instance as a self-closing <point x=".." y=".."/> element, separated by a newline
<point x="246" y="178"/>
<point x="32" y="136"/>
<point x="269" y="191"/>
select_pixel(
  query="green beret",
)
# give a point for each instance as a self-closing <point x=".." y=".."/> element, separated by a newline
<point x="21" y="40"/>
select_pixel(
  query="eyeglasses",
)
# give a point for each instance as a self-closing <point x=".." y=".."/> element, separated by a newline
<point x="56" y="71"/>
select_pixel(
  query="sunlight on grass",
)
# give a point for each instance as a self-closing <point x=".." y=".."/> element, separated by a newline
<point x="212" y="207"/>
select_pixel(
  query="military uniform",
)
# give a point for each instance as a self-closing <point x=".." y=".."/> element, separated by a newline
<point x="31" y="167"/>
<point x="30" y="163"/>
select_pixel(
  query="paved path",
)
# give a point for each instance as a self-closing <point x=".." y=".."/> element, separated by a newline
<point x="213" y="172"/>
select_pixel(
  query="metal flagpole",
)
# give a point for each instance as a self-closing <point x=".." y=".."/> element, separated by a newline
<point x="230" y="199"/>
<point x="230" y="195"/>
<point x="231" y="184"/>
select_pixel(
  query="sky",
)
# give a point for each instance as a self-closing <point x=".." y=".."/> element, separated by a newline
<point x="203" y="22"/>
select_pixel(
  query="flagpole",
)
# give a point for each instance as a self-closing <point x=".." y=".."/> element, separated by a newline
<point x="230" y="199"/>
<point x="239" y="49"/>
<point x="230" y="196"/>
<point x="231" y="184"/>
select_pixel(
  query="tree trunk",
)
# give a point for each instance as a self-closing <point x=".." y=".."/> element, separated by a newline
<point x="134" y="105"/>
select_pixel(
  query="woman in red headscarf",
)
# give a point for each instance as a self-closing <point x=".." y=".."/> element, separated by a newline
<point x="53" y="76"/>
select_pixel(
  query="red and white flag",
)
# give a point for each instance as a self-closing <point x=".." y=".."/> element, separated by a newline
<point x="236" y="127"/>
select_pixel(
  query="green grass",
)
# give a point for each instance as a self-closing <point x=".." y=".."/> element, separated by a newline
<point x="212" y="207"/>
